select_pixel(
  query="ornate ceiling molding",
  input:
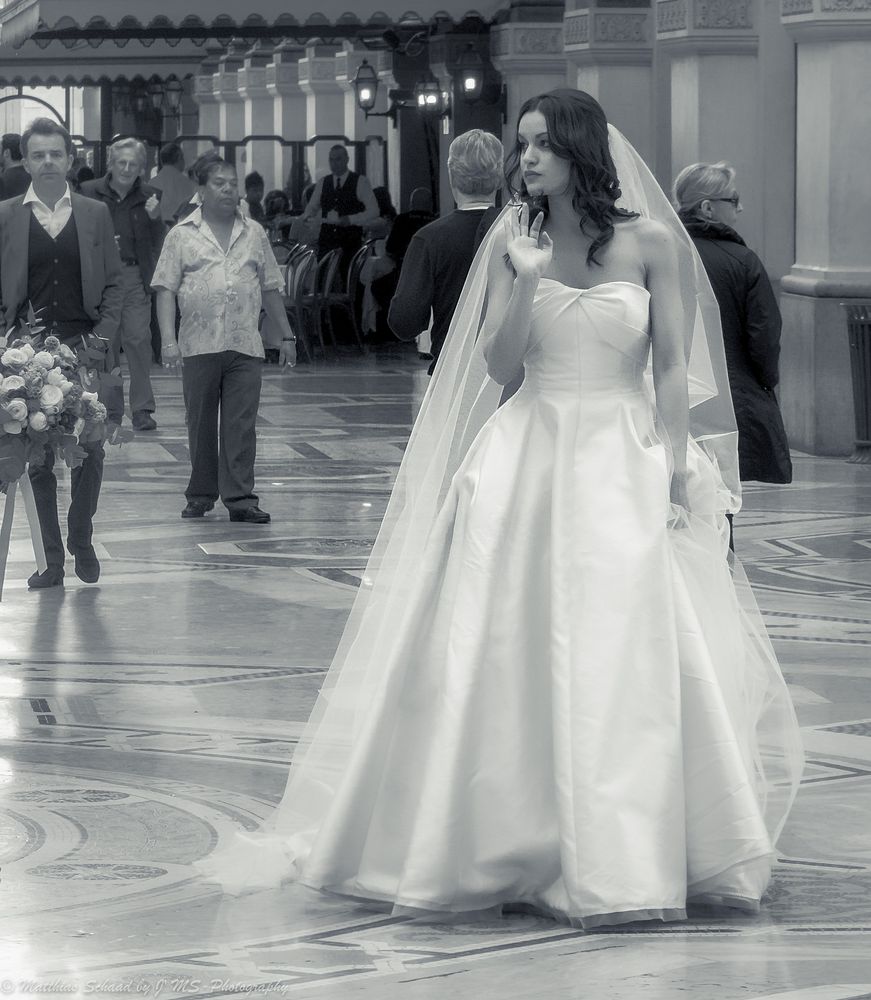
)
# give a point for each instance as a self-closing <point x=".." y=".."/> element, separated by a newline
<point x="94" y="22"/>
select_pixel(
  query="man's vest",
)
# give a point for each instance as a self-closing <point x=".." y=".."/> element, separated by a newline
<point x="343" y="200"/>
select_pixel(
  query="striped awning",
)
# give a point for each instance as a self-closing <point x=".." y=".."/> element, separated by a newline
<point x="96" y="21"/>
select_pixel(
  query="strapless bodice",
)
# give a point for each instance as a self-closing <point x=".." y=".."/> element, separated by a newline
<point x="594" y="338"/>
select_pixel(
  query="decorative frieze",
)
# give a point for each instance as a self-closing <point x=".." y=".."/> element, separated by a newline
<point x="671" y="15"/>
<point x="626" y="28"/>
<point x="842" y="20"/>
<point x="846" y="5"/>
<point x="576" y="28"/>
<point x="539" y="41"/>
<point x="722" y="14"/>
<point x="721" y="25"/>
<point x="523" y="41"/>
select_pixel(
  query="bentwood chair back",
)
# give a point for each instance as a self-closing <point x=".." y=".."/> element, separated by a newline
<point x="301" y="302"/>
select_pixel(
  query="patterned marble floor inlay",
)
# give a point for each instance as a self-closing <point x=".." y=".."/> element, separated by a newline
<point x="146" y="719"/>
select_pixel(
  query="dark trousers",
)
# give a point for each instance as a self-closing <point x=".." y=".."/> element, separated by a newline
<point x="348" y="239"/>
<point x="226" y="384"/>
<point x="85" y="481"/>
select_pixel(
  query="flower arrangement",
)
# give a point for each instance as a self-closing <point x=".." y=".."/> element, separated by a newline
<point x="48" y="396"/>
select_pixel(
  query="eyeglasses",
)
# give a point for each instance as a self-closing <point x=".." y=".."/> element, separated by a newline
<point x="734" y="201"/>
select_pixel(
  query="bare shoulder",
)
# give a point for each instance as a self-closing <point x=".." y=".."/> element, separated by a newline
<point x="650" y="233"/>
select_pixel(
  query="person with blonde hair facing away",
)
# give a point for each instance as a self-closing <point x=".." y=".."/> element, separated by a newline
<point x="440" y="254"/>
<point x="139" y="230"/>
<point x="708" y="204"/>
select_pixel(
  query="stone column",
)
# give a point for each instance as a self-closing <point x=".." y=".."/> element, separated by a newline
<point x="443" y="50"/>
<point x="530" y="57"/>
<point x="207" y="102"/>
<point x="609" y="49"/>
<point x="231" y="110"/>
<point x="325" y="102"/>
<point x="90" y="112"/>
<point x="288" y="108"/>
<point x="833" y="236"/>
<point x="259" y="114"/>
<point x="714" y="94"/>
<point x="383" y="63"/>
<point x="357" y="125"/>
<point x="446" y="52"/>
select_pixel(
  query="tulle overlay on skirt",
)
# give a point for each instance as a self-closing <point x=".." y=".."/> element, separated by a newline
<point x="577" y="708"/>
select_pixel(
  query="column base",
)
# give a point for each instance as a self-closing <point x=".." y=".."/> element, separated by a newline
<point x="816" y="395"/>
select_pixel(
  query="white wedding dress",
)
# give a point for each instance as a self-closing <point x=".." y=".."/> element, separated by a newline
<point x="568" y="712"/>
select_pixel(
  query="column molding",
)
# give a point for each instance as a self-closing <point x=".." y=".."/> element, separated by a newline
<point x="531" y="58"/>
<point x="716" y="27"/>
<point x="826" y="20"/>
<point x="610" y="34"/>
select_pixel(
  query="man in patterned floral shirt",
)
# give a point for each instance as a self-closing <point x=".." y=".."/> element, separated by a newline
<point x="221" y="269"/>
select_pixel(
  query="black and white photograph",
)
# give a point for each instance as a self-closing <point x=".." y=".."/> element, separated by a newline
<point x="434" y="449"/>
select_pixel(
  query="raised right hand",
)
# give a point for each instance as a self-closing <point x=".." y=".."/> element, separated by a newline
<point x="530" y="249"/>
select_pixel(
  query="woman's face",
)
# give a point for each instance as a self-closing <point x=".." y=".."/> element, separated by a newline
<point x="723" y="209"/>
<point x="543" y="171"/>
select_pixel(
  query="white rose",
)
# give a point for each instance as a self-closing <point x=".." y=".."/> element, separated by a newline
<point x="55" y="377"/>
<point x="28" y="350"/>
<point x="43" y="359"/>
<point x="38" y="421"/>
<point x="14" y="357"/>
<point x="89" y="397"/>
<point x="12" y="383"/>
<point x="66" y="353"/>
<point x="51" y="395"/>
<point x="12" y="427"/>
<point x="16" y="409"/>
<point x="65" y="386"/>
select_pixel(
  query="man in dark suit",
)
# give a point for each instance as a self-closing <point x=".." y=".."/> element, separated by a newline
<point x="15" y="179"/>
<point x="139" y="231"/>
<point x="58" y="253"/>
<point x="441" y="253"/>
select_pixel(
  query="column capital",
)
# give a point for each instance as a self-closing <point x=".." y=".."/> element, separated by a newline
<point x="826" y="20"/>
<point x="527" y="47"/>
<point x="347" y="63"/>
<point x="225" y="81"/>
<point x="282" y="74"/>
<point x="251" y="77"/>
<point x="204" y="83"/>
<point x="317" y="70"/>
<point x="716" y="27"/>
<point x="384" y="66"/>
<point x="610" y="33"/>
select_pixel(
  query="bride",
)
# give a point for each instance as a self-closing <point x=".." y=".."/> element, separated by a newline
<point x="559" y="693"/>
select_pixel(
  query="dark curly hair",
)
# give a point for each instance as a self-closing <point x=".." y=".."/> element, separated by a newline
<point x="577" y="130"/>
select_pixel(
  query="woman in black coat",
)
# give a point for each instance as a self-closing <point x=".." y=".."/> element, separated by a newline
<point x="708" y="205"/>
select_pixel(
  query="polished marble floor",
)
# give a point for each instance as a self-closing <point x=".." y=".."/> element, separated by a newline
<point x="144" y="719"/>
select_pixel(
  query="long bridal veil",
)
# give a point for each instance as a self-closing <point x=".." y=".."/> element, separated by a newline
<point x="459" y="400"/>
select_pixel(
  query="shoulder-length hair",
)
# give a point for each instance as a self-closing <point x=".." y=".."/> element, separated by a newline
<point x="577" y="131"/>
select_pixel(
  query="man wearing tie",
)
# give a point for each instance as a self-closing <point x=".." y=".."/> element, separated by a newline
<point x="343" y="203"/>
<point x="58" y="253"/>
